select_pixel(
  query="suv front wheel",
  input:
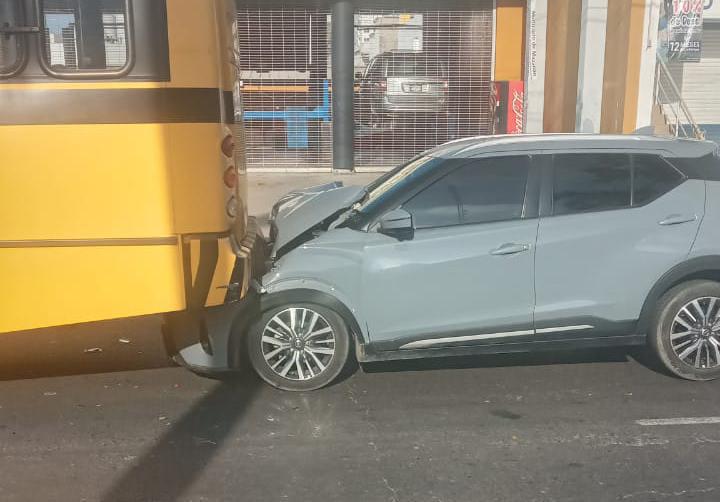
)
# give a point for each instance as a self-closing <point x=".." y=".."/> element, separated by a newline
<point x="299" y="347"/>
<point x="686" y="330"/>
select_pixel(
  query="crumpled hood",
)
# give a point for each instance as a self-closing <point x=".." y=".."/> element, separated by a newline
<point x="302" y="209"/>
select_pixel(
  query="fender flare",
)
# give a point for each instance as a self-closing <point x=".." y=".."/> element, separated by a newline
<point x="694" y="268"/>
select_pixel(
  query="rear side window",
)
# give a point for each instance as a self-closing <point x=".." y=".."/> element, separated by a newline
<point x="591" y="182"/>
<point x="483" y="191"/>
<point x="652" y="178"/>
<point x="83" y="36"/>
<point x="11" y="45"/>
<point x="706" y="167"/>
<point x="415" y="66"/>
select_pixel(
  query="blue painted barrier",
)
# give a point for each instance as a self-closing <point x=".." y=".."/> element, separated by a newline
<point x="319" y="113"/>
<point x="296" y="126"/>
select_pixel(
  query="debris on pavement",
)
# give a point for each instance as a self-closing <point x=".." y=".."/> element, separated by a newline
<point x="49" y="393"/>
<point x="92" y="350"/>
<point x="124" y="340"/>
<point x="203" y="441"/>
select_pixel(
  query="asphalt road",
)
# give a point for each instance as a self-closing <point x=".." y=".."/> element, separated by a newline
<point x="121" y="424"/>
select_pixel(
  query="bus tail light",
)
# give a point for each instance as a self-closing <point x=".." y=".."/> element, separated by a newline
<point x="230" y="177"/>
<point x="228" y="146"/>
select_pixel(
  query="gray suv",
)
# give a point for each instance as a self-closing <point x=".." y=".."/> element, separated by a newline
<point x="402" y="82"/>
<point x="495" y="245"/>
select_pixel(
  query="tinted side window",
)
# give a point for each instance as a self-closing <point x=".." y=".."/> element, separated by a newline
<point x="590" y="182"/>
<point x="652" y="177"/>
<point x="706" y="167"/>
<point x="10" y="45"/>
<point x="480" y="192"/>
<point x="85" y="34"/>
<point x="415" y="66"/>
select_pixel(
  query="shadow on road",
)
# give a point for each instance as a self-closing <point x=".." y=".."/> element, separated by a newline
<point x="99" y="347"/>
<point x="506" y="360"/>
<point x="180" y="456"/>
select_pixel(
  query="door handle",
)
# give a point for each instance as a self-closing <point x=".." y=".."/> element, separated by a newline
<point x="677" y="219"/>
<point x="509" y="248"/>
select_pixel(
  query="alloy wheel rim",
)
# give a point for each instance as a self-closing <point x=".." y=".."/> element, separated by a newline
<point x="298" y="344"/>
<point x="695" y="333"/>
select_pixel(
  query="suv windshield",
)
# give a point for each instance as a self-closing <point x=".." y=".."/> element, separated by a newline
<point x="413" y="66"/>
<point x="396" y="180"/>
<point x="10" y="45"/>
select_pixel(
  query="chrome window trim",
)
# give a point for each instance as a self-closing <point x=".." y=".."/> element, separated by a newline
<point x="429" y="342"/>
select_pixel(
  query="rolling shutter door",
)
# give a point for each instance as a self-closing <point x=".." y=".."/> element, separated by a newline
<point x="284" y="61"/>
<point x="422" y="78"/>
<point x="698" y="81"/>
<point x="438" y="87"/>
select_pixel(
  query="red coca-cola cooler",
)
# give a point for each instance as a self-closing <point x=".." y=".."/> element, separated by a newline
<point x="507" y="103"/>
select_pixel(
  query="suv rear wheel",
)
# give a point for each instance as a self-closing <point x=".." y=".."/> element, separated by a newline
<point x="686" y="330"/>
<point x="299" y="347"/>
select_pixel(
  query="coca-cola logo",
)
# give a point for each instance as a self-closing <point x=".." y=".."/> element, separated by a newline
<point x="518" y="100"/>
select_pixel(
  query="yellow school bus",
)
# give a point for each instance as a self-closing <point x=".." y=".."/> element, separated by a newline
<point x="122" y="175"/>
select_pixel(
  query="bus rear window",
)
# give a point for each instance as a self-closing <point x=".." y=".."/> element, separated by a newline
<point x="11" y="48"/>
<point x="82" y="36"/>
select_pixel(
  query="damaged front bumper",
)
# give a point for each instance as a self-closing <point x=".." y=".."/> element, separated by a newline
<point x="207" y="339"/>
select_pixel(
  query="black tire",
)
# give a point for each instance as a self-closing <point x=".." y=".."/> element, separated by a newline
<point x="659" y="338"/>
<point x="338" y="360"/>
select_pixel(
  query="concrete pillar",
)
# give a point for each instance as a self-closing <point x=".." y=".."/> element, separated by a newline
<point x="648" y="55"/>
<point x="535" y="65"/>
<point x="343" y="61"/>
<point x="561" y="65"/>
<point x="593" y="26"/>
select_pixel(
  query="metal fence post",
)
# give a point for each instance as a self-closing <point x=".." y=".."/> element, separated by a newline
<point x="343" y="76"/>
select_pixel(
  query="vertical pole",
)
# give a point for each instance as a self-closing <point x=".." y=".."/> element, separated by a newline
<point x="343" y="76"/>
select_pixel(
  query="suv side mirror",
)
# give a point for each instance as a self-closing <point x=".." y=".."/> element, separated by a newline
<point x="398" y="224"/>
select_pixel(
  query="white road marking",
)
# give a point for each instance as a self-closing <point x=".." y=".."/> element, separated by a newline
<point x="679" y="421"/>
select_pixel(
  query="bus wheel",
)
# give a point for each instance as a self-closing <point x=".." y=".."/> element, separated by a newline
<point x="299" y="347"/>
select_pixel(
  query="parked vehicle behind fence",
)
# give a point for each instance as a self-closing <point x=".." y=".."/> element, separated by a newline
<point x="400" y="85"/>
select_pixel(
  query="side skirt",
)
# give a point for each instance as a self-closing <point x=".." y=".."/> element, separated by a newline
<point x="367" y="353"/>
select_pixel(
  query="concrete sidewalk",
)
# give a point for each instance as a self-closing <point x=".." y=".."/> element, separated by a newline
<point x="264" y="189"/>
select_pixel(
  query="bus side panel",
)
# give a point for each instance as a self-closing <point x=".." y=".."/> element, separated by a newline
<point x="47" y="286"/>
<point x="82" y="181"/>
<point x="192" y="40"/>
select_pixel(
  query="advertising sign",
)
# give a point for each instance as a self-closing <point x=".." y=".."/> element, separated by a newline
<point x="684" y="29"/>
<point x="507" y="101"/>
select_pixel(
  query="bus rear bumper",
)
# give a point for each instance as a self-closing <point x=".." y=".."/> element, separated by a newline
<point x="208" y="339"/>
